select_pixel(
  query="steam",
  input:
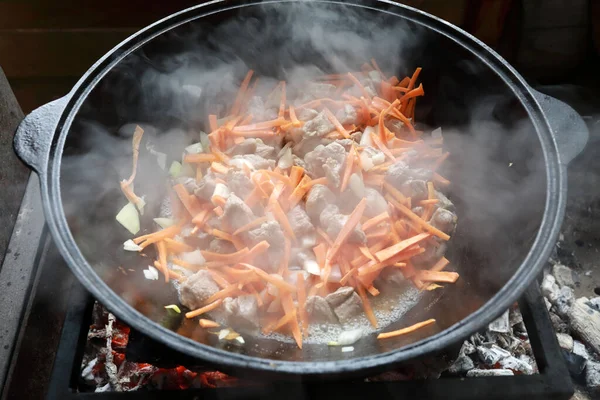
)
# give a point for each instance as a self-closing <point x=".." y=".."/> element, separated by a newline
<point x="171" y="84"/>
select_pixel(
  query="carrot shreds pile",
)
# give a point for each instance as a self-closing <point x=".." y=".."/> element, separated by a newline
<point x="245" y="231"/>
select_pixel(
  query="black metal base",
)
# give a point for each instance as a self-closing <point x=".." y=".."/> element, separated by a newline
<point x="553" y="381"/>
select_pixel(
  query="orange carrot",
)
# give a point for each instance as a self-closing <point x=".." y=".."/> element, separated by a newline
<point x="391" y="251"/>
<point x="257" y="250"/>
<point x="273" y="279"/>
<point x="353" y="220"/>
<point x="293" y="117"/>
<point x="212" y="122"/>
<point x="260" y="126"/>
<point x="177" y="247"/>
<point x="204" y="309"/>
<point x="380" y="144"/>
<point x="288" y="307"/>
<point x="157" y="236"/>
<point x="376" y="220"/>
<point x="360" y="85"/>
<point x="347" y="171"/>
<point x="440" y="265"/>
<point x="241" y="93"/>
<point x="161" y="248"/>
<point x="283" y="220"/>
<point x="199" y="158"/>
<point x="207" y="323"/>
<point x="415" y="218"/>
<point x="437" y="276"/>
<point x="251" y="225"/>
<point x="367" y="306"/>
<point x="338" y="126"/>
<point x="285" y="261"/>
<point x="407" y="330"/>
<point x="320" y="253"/>
<point x="231" y="258"/>
<point x="325" y="236"/>
<point x="282" y="101"/>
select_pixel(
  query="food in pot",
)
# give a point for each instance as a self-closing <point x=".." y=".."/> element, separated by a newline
<point x="301" y="207"/>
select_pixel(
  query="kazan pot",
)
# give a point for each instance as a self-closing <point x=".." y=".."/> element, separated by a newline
<point x="510" y="146"/>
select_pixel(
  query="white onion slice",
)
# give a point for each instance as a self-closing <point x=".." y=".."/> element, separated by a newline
<point x="165" y="222"/>
<point x="151" y="273"/>
<point x="175" y="169"/>
<point x="347" y="349"/>
<point x="347" y="338"/>
<point x="129" y="245"/>
<point x="436" y="133"/>
<point x="193" y="257"/>
<point x="129" y="218"/>
<point x="195" y="148"/>
<point x="312" y="267"/>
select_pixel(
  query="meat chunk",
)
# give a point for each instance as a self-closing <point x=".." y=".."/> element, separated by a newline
<point x="306" y="145"/>
<point x="434" y="250"/>
<point x="397" y="174"/>
<point x="300" y="221"/>
<point x="264" y="150"/>
<point x="236" y="214"/>
<point x="271" y="232"/>
<point x="318" y="198"/>
<point x="240" y="313"/>
<point x="376" y="204"/>
<point x="239" y="183"/>
<point x="327" y="160"/>
<point x="221" y="246"/>
<point x="318" y="126"/>
<point x="347" y="115"/>
<point x="248" y="146"/>
<point x="336" y="298"/>
<point x="260" y="111"/>
<point x="319" y="90"/>
<point x="444" y="202"/>
<point x="444" y="220"/>
<point x="194" y="291"/>
<point x="349" y="308"/>
<point x="306" y="114"/>
<point x="319" y="311"/>
<point x="206" y="187"/>
<point x="188" y="183"/>
<point x="298" y="161"/>
<point x="416" y="189"/>
<point x="253" y="160"/>
<point x="332" y="221"/>
<point x="393" y="276"/>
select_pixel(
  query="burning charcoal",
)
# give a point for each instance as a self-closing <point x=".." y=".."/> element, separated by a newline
<point x="468" y="348"/>
<point x="462" y="364"/>
<point x="477" y="339"/>
<point x="585" y="321"/>
<point x="517" y="364"/>
<point x="595" y="302"/>
<point x="592" y="375"/>
<point x="490" y="355"/>
<point x="550" y="288"/>
<point x="565" y="341"/>
<point x="580" y="349"/>
<point x="558" y="324"/>
<point x="564" y="276"/>
<point x="489" y="372"/>
<point x="501" y="324"/>
<point x="580" y="395"/>
<point x="564" y="300"/>
<point x="515" y="317"/>
<point x="575" y="364"/>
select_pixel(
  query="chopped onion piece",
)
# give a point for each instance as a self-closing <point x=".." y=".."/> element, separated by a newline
<point x="188" y="169"/>
<point x="366" y="161"/>
<point x="173" y="307"/>
<point x="204" y="141"/>
<point x="378" y="158"/>
<point x="365" y="139"/>
<point x="161" y="159"/>
<point x="175" y="169"/>
<point x="308" y="241"/>
<point x="347" y="338"/>
<point x="129" y="218"/>
<point x="129" y="245"/>
<point x="357" y="186"/>
<point x="332" y="343"/>
<point x="240" y="162"/>
<point x="240" y="339"/>
<point x="193" y="257"/>
<point x="223" y="333"/>
<point x="335" y="274"/>
<point x="436" y="133"/>
<point x="221" y="190"/>
<point x="347" y="349"/>
<point x="312" y="267"/>
<point x="151" y="273"/>
<point x="194" y="148"/>
<point x="165" y="222"/>
<point x="286" y="161"/>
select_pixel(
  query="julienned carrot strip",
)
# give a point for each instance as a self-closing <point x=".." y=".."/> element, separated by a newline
<point x="364" y="250"/>
<point x="353" y="220"/>
<point x="407" y="330"/>
<point x="285" y="261"/>
<point x="437" y="276"/>
<point x="376" y="220"/>
<point x="199" y="158"/>
<point x="347" y="171"/>
<point x="428" y="202"/>
<point x="161" y="248"/>
<point x="320" y="253"/>
<point x="251" y="225"/>
<point x="199" y="219"/>
<point x="207" y="323"/>
<point x="325" y="236"/>
<point x="204" y="309"/>
<point x="293" y="117"/>
<point x="440" y="179"/>
<point x="212" y="123"/>
<point x="288" y="307"/>
<point x="275" y="280"/>
<point x="283" y="321"/>
<point x="391" y="251"/>
<point x="177" y="247"/>
<point x="231" y="258"/>
<point x="367" y="306"/>
<point x="440" y="265"/>
<point x="257" y="250"/>
<point x="283" y="220"/>
<point x="241" y="93"/>
<point x="221" y="294"/>
<point x="379" y="143"/>
<point x="219" y="279"/>
<point x="259" y="126"/>
<point x="186" y="199"/>
<point x="126" y="184"/>
<point x="255" y="134"/>
<point x="219" y="168"/>
<point x="419" y="221"/>
<point x="159" y="235"/>
<point x="382" y="129"/>
<point x="227" y="236"/>
<point x="338" y="126"/>
<point x="301" y="287"/>
<point x="413" y="93"/>
<point x="218" y="210"/>
<point x="373" y="267"/>
<point x="373" y="290"/>
<point x="360" y="85"/>
<point x="282" y="100"/>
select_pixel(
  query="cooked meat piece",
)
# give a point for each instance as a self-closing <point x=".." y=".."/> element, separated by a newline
<point x="421" y="174"/>
<point x="444" y="202"/>
<point x="355" y="136"/>
<point x="306" y="145"/>
<point x="398" y="128"/>
<point x="434" y="250"/>
<point x="194" y="291"/>
<point x="318" y="126"/>
<point x="327" y="160"/>
<point x="375" y="77"/>
<point x="376" y="204"/>
<point x="397" y="174"/>
<point x="254" y="160"/>
<point x="239" y="183"/>
<point x="265" y="151"/>
<point x="346" y="143"/>
<point x="259" y="110"/>
<point x="200" y="240"/>
<point x="332" y="221"/>
<point x="240" y="313"/>
<point x="319" y="311"/>
<point x="339" y="296"/>
<point x="415" y="189"/>
<point x="188" y="183"/>
<point x="347" y="115"/>
<point x="271" y="232"/>
<point x="221" y="246"/>
<point x="206" y="187"/>
<point x="248" y="146"/>
<point x="319" y="90"/>
<point x="298" y="161"/>
<point x="349" y="199"/>
<point x="318" y="198"/>
<point x="349" y="309"/>
<point x="444" y="220"/>
<point x="300" y="221"/>
<point x="418" y="210"/>
<point x="236" y="214"/>
<point x="393" y="276"/>
<point x="306" y="114"/>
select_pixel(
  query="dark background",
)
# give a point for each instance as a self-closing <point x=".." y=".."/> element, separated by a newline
<point x="46" y="45"/>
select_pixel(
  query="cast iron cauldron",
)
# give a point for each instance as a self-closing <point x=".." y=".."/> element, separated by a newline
<point x="510" y="148"/>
